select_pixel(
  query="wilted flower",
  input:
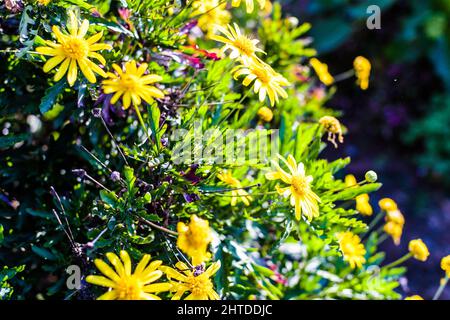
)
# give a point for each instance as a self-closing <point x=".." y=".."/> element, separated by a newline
<point x="333" y="127"/>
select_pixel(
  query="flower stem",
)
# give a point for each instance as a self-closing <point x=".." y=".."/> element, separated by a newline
<point x="441" y="288"/>
<point x="141" y="121"/>
<point x="399" y="261"/>
<point x="154" y="225"/>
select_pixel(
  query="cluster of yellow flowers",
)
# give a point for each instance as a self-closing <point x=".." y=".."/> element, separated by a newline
<point x="140" y="285"/>
<point x="362" y="201"/>
<point x="73" y="51"/>
<point x="266" y="82"/>
<point x="193" y="240"/>
<point x="394" y="219"/>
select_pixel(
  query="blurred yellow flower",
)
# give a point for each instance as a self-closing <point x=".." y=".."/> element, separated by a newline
<point x="445" y="265"/>
<point x="302" y="197"/>
<point x="352" y="249"/>
<point x="133" y="85"/>
<point x="197" y="283"/>
<point x="265" y="80"/>
<point x="194" y="238"/>
<point x="239" y="44"/>
<point x="265" y="114"/>
<point x="127" y="286"/>
<point x="415" y="297"/>
<point x="249" y="4"/>
<point x="395" y="216"/>
<point x="362" y="201"/>
<point x="238" y="192"/>
<point x="362" y="70"/>
<point x="387" y="204"/>
<point x="333" y="127"/>
<point x="210" y="14"/>
<point x="418" y="249"/>
<point x="363" y="205"/>
<point x="395" y="230"/>
<point x="321" y="70"/>
<point x="73" y="51"/>
<point x="44" y="2"/>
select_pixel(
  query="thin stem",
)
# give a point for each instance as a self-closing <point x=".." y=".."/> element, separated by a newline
<point x="441" y="288"/>
<point x="141" y="121"/>
<point x="399" y="261"/>
<point x="344" y="76"/>
<point x="154" y="225"/>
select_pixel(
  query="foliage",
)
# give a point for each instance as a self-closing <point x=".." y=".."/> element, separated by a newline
<point x="81" y="177"/>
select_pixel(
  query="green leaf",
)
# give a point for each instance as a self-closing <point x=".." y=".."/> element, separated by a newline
<point x="44" y="253"/>
<point x="2" y="237"/>
<point x="51" y="94"/>
<point x="9" y="141"/>
<point x="109" y="197"/>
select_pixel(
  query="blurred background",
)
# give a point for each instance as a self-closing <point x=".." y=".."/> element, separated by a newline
<point x="400" y="126"/>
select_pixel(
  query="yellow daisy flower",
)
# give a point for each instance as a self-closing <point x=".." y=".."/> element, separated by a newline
<point x="321" y="70"/>
<point x="239" y="44"/>
<point x="133" y="85"/>
<point x="239" y="192"/>
<point x="73" y="51"/>
<point x="302" y="197"/>
<point x="210" y="14"/>
<point x="193" y="239"/>
<point x="352" y="249"/>
<point x="265" y="80"/>
<point x="249" y="4"/>
<point x="415" y="297"/>
<point x="362" y="70"/>
<point x="418" y="249"/>
<point x="127" y="286"/>
<point x="445" y="265"/>
<point x="198" y="284"/>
